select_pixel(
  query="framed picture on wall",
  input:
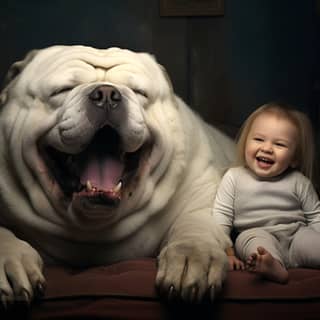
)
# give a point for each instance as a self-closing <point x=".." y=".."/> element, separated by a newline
<point x="191" y="7"/>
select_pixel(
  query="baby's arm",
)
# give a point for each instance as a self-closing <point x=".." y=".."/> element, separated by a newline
<point x="310" y="203"/>
<point x="223" y="213"/>
<point x="223" y="210"/>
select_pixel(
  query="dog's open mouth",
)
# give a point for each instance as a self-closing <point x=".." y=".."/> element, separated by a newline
<point x="100" y="173"/>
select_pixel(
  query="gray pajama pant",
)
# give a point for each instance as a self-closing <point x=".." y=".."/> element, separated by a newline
<point x="293" y="248"/>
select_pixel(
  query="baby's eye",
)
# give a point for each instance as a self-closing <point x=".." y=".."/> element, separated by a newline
<point x="280" y="144"/>
<point x="257" y="139"/>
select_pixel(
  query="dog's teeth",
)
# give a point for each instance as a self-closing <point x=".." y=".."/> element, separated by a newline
<point x="118" y="187"/>
<point x="89" y="185"/>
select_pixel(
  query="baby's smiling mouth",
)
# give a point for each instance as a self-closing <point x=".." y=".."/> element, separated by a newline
<point x="265" y="160"/>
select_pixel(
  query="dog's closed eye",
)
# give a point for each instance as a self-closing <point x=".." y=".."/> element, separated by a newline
<point x="140" y="92"/>
<point x="61" y="90"/>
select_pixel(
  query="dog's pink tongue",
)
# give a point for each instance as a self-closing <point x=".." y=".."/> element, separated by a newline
<point x="103" y="174"/>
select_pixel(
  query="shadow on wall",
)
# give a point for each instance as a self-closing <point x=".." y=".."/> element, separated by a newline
<point x="223" y="66"/>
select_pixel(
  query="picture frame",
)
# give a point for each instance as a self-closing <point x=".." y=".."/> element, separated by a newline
<point x="191" y="8"/>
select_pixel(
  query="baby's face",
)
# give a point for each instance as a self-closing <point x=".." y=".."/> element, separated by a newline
<point x="271" y="145"/>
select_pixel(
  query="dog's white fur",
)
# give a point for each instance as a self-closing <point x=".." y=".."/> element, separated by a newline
<point x="165" y="213"/>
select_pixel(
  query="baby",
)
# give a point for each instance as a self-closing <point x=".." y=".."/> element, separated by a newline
<point x="268" y="199"/>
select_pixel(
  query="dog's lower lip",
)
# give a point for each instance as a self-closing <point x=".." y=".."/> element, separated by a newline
<point x="99" y="197"/>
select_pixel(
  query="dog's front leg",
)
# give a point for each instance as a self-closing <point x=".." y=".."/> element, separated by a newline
<point x="21" y="275"/>
<point x="192" y="262"/>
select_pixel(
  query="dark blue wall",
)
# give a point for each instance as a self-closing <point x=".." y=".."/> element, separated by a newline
<point x="273" y="51"/>
<point x="223" y="66"/>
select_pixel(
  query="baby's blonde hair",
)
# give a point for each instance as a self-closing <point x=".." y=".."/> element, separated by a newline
<point x="304" y="155"/>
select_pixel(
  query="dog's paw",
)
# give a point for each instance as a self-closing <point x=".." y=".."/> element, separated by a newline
<point x="188" y="271"/>
<point x="21" y="277"/>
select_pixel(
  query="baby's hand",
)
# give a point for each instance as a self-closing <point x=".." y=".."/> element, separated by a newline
<point x="235" y="263"/>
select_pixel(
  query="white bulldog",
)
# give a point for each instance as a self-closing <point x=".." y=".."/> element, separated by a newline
<point x="102" y="162"/>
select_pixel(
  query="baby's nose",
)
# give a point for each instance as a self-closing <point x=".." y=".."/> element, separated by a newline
<point x="267" y="147"/>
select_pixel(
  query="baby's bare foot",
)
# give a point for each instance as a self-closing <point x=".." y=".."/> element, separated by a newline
<point x="265" y="265"/>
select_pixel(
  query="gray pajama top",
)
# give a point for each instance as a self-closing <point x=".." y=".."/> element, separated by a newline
<point x="282" y="203"/>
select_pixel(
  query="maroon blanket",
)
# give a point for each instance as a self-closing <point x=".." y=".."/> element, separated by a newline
<point x="126" y="291"/>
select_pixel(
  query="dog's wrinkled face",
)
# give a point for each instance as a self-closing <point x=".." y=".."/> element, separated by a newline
<point x="101" y="162"/>
<point x="83" y="118"/>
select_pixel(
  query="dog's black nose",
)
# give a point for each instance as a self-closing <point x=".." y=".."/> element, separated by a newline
<point x="105" y="96"/>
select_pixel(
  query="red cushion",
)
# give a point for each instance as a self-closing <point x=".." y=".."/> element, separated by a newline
<point x="126" y="291"/>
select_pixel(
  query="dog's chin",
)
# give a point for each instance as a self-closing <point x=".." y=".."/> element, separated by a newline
<point x="97" y="178"/>
<point x="95" y="206"/>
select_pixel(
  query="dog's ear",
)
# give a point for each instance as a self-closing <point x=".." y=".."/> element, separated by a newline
<point x="13" y="72"/>
<point x="18" y="66"/>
